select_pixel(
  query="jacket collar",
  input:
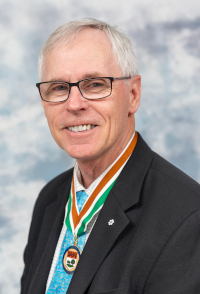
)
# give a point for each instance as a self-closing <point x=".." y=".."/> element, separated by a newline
<point x="132" y="176"/>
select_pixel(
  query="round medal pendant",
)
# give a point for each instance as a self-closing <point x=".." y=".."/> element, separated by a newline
<point x="70" y="259"/>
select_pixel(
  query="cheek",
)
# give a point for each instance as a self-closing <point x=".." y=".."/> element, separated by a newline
<point x="117" y="120"/>
<point x="121" y="101"/>
<point x="121" y="111"/>
<point x="51" y="116"/>
<point x="120" y="121"/>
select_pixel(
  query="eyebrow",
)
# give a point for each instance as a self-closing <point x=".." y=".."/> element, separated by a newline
<point x="56" y="80"/>
<point x="92" y="75"/>
<point x="85" y="76"/>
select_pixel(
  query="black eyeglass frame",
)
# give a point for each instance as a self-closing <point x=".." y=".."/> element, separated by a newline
<point x="77" y="85"/>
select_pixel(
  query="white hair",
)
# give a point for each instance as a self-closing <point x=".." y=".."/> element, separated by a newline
<point x="120" y="43"/>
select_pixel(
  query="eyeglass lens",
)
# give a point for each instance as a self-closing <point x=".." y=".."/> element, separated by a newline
<point x="90" y="89"/>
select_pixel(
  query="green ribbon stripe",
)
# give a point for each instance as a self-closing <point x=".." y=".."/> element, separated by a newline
<point x="95" y="208"/>
<point x="67" y="221"/>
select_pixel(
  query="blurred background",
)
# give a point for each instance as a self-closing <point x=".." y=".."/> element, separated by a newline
<point x="166" y="35"/>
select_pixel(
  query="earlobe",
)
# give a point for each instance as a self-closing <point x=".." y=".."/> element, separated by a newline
<point x="135" y="93"/>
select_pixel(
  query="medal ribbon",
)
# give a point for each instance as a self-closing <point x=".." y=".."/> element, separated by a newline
<point x="77" y="222"/>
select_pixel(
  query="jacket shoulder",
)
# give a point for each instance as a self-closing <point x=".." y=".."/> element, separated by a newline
<point x="48" y="192"/>
<point x="173" y="174"/>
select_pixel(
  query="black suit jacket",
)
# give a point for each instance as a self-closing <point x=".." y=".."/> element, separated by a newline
<point x="152" y="247"/>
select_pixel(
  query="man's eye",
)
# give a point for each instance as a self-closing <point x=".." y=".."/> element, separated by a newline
<point x="60" y="88"/>
<point x="96" y="85"/>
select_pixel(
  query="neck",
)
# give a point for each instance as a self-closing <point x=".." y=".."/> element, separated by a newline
<point x="92" y="169"/>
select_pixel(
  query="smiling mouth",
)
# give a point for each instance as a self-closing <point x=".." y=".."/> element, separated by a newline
<point x="80" y="128"/>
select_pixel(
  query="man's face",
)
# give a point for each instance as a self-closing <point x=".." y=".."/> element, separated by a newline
<point x="112" y="117"/>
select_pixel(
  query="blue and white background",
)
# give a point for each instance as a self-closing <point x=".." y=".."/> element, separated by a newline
<point x="167" y="43"/>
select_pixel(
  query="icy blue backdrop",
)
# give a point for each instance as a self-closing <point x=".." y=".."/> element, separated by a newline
<point x="167" y="41"/>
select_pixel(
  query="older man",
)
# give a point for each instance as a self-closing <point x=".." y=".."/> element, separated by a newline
<point x="123" y="220"/>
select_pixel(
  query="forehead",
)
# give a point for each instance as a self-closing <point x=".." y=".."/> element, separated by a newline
<point x="89" y="52"/>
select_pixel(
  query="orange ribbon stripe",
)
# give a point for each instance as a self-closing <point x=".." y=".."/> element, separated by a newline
<point x="104" y="181"/>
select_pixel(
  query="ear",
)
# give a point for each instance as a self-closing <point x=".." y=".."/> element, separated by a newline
<point x="135" y="93"/>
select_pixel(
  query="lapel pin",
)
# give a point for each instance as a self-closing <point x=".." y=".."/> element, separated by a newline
<point x="111" y="222"/>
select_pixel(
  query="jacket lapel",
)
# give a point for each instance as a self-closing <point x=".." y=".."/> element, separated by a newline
<point x="44" y="254"/>
<point x="125" y="194"/>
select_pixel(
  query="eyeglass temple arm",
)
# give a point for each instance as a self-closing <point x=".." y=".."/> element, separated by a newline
<point x="122" y="78"/>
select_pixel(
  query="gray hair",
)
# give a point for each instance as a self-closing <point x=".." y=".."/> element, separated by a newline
<point x="120" y="43"/>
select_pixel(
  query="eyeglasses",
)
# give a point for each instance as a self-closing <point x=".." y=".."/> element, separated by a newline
<point x="93" y="88"/>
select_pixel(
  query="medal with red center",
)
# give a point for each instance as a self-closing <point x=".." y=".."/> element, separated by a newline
<point x="71" y="258"/>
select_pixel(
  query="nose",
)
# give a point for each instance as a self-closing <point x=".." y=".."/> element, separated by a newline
<point x="75" y="101"/>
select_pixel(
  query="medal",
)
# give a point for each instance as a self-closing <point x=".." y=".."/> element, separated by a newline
<point x="77" y="221"/>
<point x="71" y="258"/>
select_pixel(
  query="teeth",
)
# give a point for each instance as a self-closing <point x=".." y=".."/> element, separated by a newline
<point x="76" y="129"/>
<point x="81" y="128"/>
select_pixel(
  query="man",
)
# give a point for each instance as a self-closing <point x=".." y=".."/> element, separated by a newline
<point x="123" y="220"/>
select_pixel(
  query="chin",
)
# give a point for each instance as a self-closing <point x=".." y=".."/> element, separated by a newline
<point x="79" y="153"/>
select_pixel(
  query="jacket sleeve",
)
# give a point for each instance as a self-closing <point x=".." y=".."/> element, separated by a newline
<point x="34" y="232"/>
